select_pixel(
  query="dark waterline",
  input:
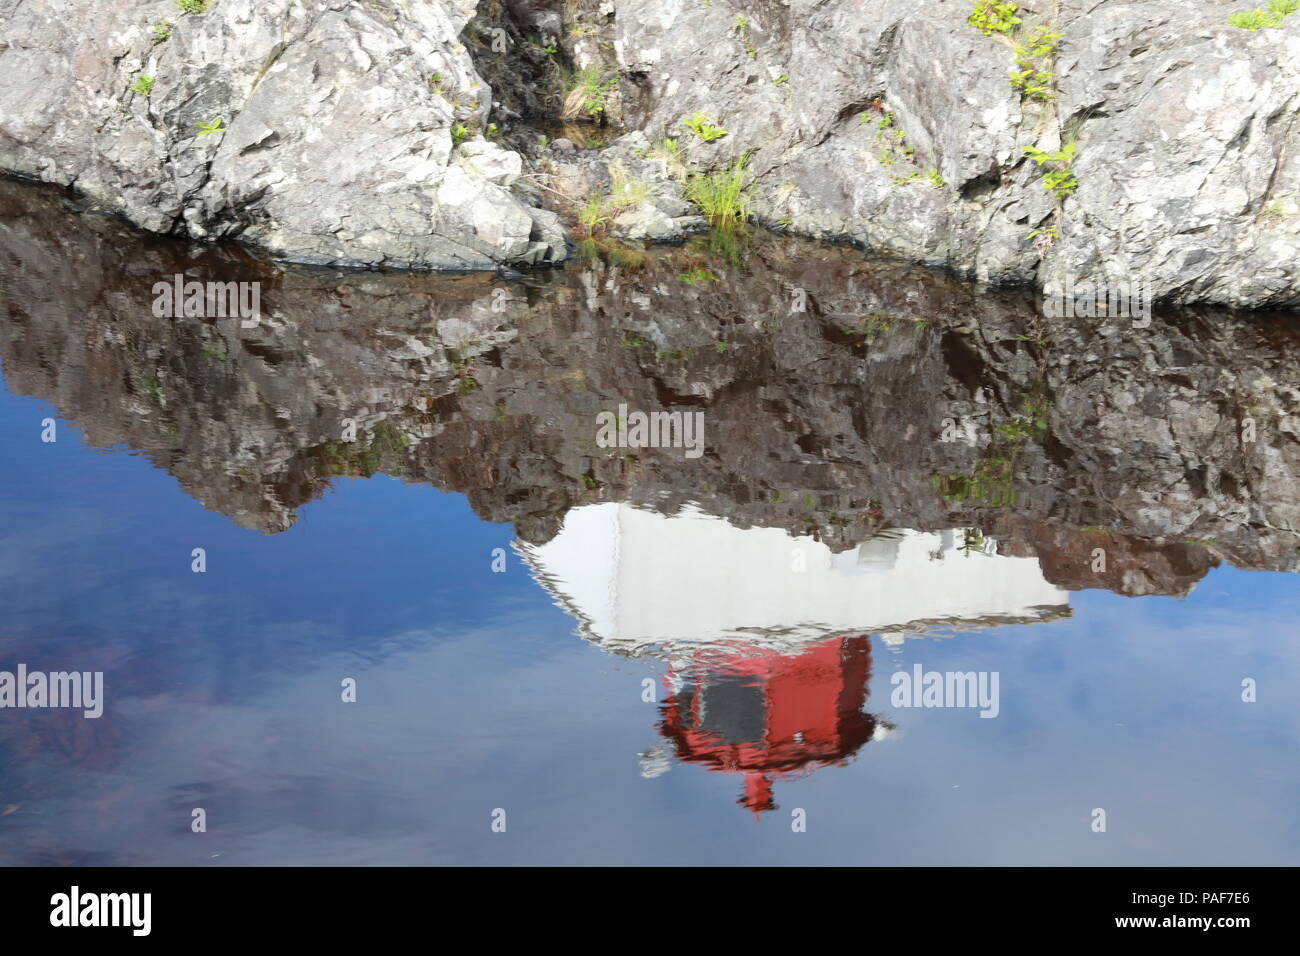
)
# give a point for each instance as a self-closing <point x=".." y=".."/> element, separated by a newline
<point x="635" y="576"/>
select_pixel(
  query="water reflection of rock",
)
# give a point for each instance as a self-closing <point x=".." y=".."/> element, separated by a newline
<point x="825" y="423"/>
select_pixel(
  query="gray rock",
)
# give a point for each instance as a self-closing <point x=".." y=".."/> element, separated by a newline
<point x="337" y="143"/>
<point x="1187" y="157"/>
<point x="659" y="214"/>
<point x="647" y="221"/>
<point x="491" y="162"/>
<point x="338" y="116"/>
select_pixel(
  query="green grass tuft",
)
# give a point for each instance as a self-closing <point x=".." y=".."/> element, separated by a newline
<point x="722" y="195"/>
<point x="588" y="95"/>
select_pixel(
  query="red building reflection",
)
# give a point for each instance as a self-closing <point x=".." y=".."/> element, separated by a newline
<point x="769" y="715"/>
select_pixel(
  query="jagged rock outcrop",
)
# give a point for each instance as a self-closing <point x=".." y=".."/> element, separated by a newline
<point x="895" y="398"/>
<point x="894" y="124"/>
<point x="339" y="120"/>
<point x="645" y="202"/>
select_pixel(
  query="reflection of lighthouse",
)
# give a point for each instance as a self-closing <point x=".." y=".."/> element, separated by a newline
<point x="762" y="680"/>
<point x="637" y="580"/>
<point x="765" y="715"/>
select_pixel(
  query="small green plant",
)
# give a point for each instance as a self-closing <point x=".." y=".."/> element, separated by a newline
<point x="1032" y="418"/>
<point x="593" y="214"/>
<point x="675" y="355"/>
<point x="1058" y="178"/>
<point x="1034" y="79"/>
<point x="1259" y="18"/>
<point x="781" y="80"/>
<point x="193" y="6"/>
<point x="1017" y="429"/>
<point x="218" y="125"/>
<point x="994" y="16"/>
<point x="722" y="195"/>
<point x="383" y="446"/>
<point x="1253" y="20"/>
<point x="625" y="189"/>
<point x="588" y="94"/>
<point x="162" y="30"/>
<point x="992" y="479"/>
<point x="459" y="133"/>
<point x="143" y="84"/>
<point x="742" y="30"/>
<point x="625" y="192"/>
<point x="700" y="125"/>
<point x="1032" y="84"/>
<point x="669" y="152"/>
<point x="972" y="541"/>
<point x="871" y="326"/>
<point x="1042" y="43"/>
<point x="1046" y="236"/>
<point x="892" y="148"/>
<point x="1036" y="410"/>
<point x="1034" y="55"/>
<point x="668" y="149"/>
<point x="613" y="253"/>
<point x="696" y="276"/>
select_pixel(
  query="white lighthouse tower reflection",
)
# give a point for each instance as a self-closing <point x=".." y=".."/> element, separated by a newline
<point x="767" y="635"/>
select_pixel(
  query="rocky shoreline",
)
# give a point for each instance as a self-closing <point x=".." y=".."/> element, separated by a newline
<point x="1028" y="144"/>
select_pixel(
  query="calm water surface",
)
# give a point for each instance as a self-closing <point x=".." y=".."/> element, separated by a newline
<point x="641" y="658"/>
